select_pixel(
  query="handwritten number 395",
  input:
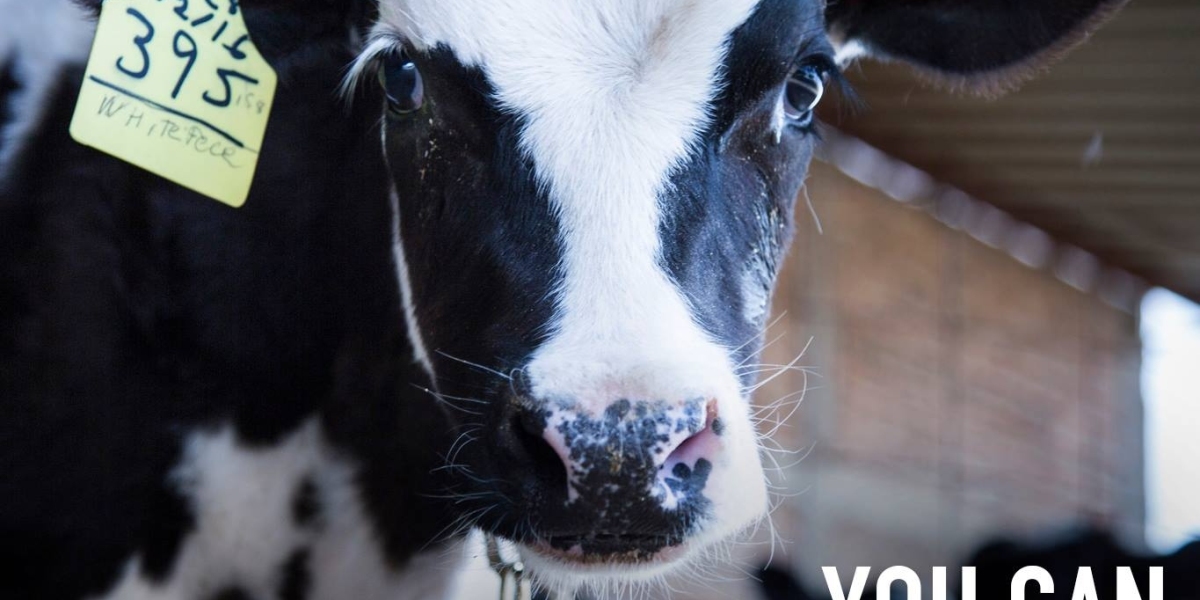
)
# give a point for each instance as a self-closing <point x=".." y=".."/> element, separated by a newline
<point x="185" y="47"/>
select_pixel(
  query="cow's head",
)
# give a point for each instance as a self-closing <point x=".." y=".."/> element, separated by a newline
<point x="593" y="198"/>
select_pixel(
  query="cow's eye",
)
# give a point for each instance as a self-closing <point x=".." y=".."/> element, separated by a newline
<point x="803" y="90"/>
<point x="402" y="83"/>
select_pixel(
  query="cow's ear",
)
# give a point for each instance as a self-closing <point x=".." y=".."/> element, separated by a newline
<point x="986" y="46"/>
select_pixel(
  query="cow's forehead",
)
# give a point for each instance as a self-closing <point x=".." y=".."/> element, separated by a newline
<point x="482" y="31"/>
<point x="619" y="87"/>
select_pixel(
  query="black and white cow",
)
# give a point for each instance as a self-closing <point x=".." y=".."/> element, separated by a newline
<point x="527" y="312"/>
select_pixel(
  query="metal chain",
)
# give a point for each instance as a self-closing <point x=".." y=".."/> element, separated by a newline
<point x="513" y="583"/>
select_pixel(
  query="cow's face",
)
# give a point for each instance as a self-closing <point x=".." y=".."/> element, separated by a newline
<point x="593" y="199"/>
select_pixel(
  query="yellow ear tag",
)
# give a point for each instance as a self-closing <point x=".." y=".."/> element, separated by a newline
<point x="176" y="87"/>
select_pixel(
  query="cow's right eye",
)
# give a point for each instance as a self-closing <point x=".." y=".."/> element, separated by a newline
<point x="402" y="83"/>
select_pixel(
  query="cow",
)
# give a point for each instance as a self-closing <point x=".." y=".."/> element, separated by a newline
<point x="505" y="266"/>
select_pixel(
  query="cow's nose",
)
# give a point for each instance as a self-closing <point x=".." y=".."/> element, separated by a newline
<point x="632" y="451"/>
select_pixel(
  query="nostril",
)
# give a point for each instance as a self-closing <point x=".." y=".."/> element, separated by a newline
<point x="702" y="444"/>
<point x="527" y="421"/>
<point x="544" y="459"/>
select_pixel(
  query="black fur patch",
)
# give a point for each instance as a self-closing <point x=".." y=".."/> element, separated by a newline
<point x="729" y="209"/>
<point x="470" y="206"/>
<point x="8" y="85"/>
<point x="232" y="592"/>
<point x="296" y="578"/>
<point x="306" y="504"/>
<point x="169" y="523"/>
<point x="970" y="42"/>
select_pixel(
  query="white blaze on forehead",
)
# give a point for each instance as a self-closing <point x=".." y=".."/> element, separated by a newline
<point x="613" y="95"/>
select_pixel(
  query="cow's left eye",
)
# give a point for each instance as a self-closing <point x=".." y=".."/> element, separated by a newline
<point x="803" y="90"/>
<point x="402" y="83"/>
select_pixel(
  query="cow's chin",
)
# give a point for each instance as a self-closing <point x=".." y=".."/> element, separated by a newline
<point x="572" y="569"/>
<point x="567" y="572"/>
<point x="549" y="563"/>
<point x="609" y="574"/>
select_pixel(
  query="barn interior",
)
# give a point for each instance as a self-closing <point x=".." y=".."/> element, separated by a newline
<point x="959" y="352"/>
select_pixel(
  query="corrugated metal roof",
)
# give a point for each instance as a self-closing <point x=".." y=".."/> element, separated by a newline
<point x="1103" y="151"/>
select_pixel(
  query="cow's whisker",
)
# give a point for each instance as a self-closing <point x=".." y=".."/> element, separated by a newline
<point x="475" y="365"/>
<point x="779" y="372"/>
<point x="446" y="400"/>
<point x="759" y="335"/>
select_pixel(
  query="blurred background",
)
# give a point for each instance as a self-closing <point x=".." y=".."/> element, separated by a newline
<point x="988" y="317"/>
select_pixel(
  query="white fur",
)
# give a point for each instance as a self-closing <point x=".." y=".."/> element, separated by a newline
<point x="244" y="528"/>
<point x="44" y="37"/>
<point x="849" y="52"/>
<point x="420" y="352"/>
<point x="613" y="95"/>
<point x="755" y="294"/>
